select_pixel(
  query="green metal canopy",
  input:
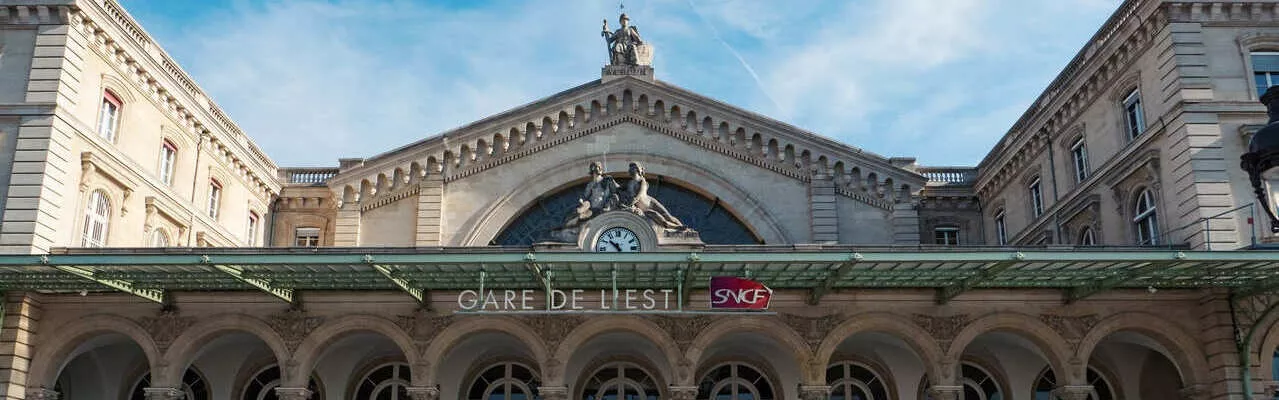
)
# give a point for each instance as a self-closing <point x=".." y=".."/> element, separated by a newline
<point x="1080" y="272"/>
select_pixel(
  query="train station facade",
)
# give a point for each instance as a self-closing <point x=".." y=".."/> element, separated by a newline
<point x="631" y="239"/>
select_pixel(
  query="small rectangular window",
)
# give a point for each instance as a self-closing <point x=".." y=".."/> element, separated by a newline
<point x="252" y="235"/>
<point x="1079" y="158"/>
<point x="109" y="116"/>
<point x="948" y="236"/>
<point x="307" y="237"/>
<point x="215" y="198"/>
<point x="1001" y="230"/>
<point x="1134" y="119"/>
<point x="168" y="157"/>
<point x="1265" y="70"/>
<point x="1036" y="198"/>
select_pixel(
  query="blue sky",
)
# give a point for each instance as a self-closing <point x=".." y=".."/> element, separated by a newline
<point x="312" y="81"/>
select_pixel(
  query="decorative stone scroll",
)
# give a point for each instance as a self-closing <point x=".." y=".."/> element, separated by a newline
<point x="942" y="329"/>
<point x="423" y="325"/>
<point x="165" y="327"/>
<point x="683" y="330"/>
<point x="553" y="328"/>
<point x="293" y="326"/>
<point x="1071" y="328"/>
<point x="812" y="329"/>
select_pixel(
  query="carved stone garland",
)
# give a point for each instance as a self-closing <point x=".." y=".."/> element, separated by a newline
<point x="165" y="327"/>
<point x="812" y="329"/>
<point x="293" y="326"/>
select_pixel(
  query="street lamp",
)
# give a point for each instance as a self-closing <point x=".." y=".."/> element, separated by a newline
<point x="1262" y="160"/>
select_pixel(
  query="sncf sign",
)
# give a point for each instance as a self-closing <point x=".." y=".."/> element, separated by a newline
<point x="733" y="293"/>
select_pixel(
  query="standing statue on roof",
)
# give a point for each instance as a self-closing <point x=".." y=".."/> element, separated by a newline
<point x="624" y="43"/>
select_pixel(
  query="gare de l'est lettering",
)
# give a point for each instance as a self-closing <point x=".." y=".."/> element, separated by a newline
<point x="629" y="238"/>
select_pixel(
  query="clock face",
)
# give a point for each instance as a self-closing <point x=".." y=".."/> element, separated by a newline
<point x="617" y="240"/>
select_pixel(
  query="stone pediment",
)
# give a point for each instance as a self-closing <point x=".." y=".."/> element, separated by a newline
<point x="597" y="106"/>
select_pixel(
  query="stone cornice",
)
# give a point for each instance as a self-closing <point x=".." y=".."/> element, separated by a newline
<point x="118" y="38"/>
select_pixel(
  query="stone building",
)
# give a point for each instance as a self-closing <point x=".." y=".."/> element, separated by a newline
<point x="571" y="247"/>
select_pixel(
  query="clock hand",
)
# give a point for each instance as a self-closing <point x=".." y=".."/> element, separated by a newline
<point x="615" y="246"/>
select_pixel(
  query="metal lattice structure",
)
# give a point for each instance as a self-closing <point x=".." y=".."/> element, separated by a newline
<point x="1079" y="273"/>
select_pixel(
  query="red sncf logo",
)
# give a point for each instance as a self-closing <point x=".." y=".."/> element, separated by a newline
<point x="730" y="292"/>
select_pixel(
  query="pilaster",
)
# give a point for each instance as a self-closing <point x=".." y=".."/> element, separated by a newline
<point x="163" y="393"/>
<point x="430" y="210"/>
<point x="905" y="224"/>
<point x="424" y="393"/>
<point x="683" y="392"/>
<point x="814" y="392"/>
<point x="1217" y="333"/>
<point x="21" y="316"/>
<point x="553" y="392"/>
<point x="1073" y="392"/>
<point x="284" y="393"/>
<point x="823" y="214"/>
<point x="346" y="230"/>
<point x="946" y="392"/>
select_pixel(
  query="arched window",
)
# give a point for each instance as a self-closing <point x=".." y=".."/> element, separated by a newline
<point x="262" y="385"/>
<point x="97" y="220"/>
<point x="735" y="381"/>
<point x="1145" y="220"/>
<point x="506" y="381"/>
<point x="1047" y="382"/>
<point x="159" y="238"/>
<point x="1087" y="237"/>
<point x="194" y="387"/>
<point x="109" y="115"/>
<point x="388" y="381"/>
<point x="851" y="381"/>
<point x="618" y="381"/>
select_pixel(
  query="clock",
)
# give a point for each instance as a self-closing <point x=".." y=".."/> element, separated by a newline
<point x="617" y="240"/>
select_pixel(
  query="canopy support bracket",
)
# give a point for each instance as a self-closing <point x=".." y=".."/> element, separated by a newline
<point x="155" y="295"/>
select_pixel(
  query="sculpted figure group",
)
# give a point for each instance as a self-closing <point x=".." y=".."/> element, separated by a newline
<point x="603" y="193"/>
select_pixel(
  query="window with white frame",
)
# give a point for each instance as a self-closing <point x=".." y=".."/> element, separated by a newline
<point x="159" y="238"/>
<point x="1265" y="70"/>
<point x="1036" y="198"/>
<point x="1145" y="219"/>
<point x="306" y="237"/>
<point x="946" y="235"/>
<point x="215" y="198"/>
<point x="1079" y="159"/>
<point x="97" y="220"/>
<point x="1001" y="230"/>
<point x="1087" y="237"/>
<point x="251" y="237"/>
<point x="168" y="159"/>
<point x="1134" y="118"/>
<point x="109" y="115"/>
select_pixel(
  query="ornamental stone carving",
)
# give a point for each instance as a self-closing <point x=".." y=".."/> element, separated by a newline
<point x="553" y="328"/>
<point x="424" y="393"/>
<point x="163" y="393"/>
<point x="293" y="326"/>
<point x="812" y="329"/>
<point x="603" y="194"/>
<point x="283" y="393"/>
<point x="942" y="329"/>
<point x="683" y="330"/>
<point x="1071" y="328"/>
<point x="625" y="46"/>
<point x="165" y="327"/>
<point x="814" y="392"/>
<point x="1073" y="392"/>
<point x="683" y="392"/>
<point x="553" y="392"/>
<point x="423" y="325"/>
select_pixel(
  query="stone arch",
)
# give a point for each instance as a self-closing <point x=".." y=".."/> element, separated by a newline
<point x="1049" y="342"/>
<point x="563" y="122"/>
<point x="398" y="178"/>
<point x="607" y="324"/>
<point x="548" y="127"/>
<point x="383" y="184"/>
<point x="770" y="327"/>
<point x="464" y="157"/>
<point x="50" y="356"/>
<point x="610" y="105"/>
<point x="458" y="331"/>
<point x="1184" y="349"/>
<point x="499" y="144"/>
<point x="708" y="126"/>
<point x="929" y="352"/>
<point x="348" y="194"/>
<point x="312" y="347"/>
<point x="721" y="134"/>
<point x="415" y="172"/>
<point x="531" y="133"/>
<point x="187" y="346"/>
<point x="659" y="110"/>
<point x="515" y="137"/>
<point x="366" y="190"/>
<point x="488" y="224"/>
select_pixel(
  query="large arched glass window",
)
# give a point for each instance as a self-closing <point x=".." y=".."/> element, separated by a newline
<point x="713" y="223"/>
<point x="505" y="381"/>
<point x="1145" y="220"/>
<point x="97" y="219"/>
<point x="388" y="381"/>
<point x="194" y="387"/>
<point x="262" y="385"/>
<point x="851" y="381"/>
<point x="1048" y="381"/>
<point x="620" y="381"/>
<point x="735" y="381"/>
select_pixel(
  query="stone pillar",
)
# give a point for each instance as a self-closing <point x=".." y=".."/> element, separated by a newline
<point x="905" y="223"/>
<point x="346" y="230"/>
<point x="683" y="392"/>
<point x="152" y="393"/>
<point x="42" y="394"/>
<point x="21" y="316"/>
<point x="430" y="211"/>
<point x="807" y="392"/>
<point x="1073" y="392"/>
<point x="424" y="393"/>
<point x="284" y="393"/>
<point x="824" y="216"/>
<point x="946" y="392"/>
<point x="553" y="392"/>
